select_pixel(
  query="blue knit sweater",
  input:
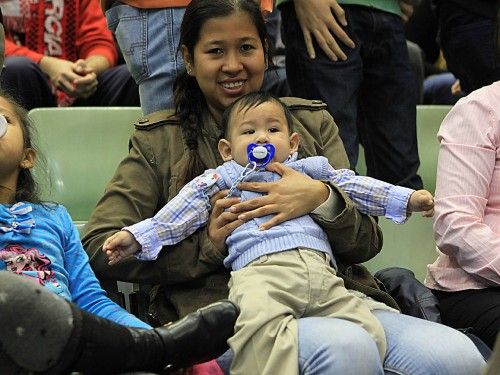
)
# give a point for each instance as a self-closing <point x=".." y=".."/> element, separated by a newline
<point x="247" y="243"/>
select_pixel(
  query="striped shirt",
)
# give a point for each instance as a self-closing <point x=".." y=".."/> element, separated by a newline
<point x="467" y="201"/>
<point x="190" y="209"/>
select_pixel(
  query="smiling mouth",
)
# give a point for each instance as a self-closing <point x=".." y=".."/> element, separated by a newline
<point x="232" y="85"/>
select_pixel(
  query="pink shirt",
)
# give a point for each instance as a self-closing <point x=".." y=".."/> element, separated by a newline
<point x="467" y="218"/>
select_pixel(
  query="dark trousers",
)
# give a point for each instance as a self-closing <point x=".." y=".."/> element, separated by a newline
<point x="371" y="95"/>
<point x="478" y="309"/>
<point x="24" y="79"/>
<point x="470" y="45"/>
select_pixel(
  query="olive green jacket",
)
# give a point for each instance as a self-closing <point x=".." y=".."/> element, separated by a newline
<point x="190" y="274"/>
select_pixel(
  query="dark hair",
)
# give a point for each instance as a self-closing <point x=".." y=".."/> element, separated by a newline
<point x="189" y="101"/>
<point x="26" y="188"/>
<point x="252" y="100"/>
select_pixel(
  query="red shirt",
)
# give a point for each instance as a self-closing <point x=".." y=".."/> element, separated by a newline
<point x="75" y="30"/>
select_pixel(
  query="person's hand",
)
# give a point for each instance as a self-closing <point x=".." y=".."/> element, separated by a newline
<point x="76" y="79"/>
<point x="456" y="89"/>
<point x="86" y="84"/>
<point x="421" y="201"/>
<point x="323" y="20"/>
<point x="221" y="222"/>
<point x="119" y="246"/>
<point x="60" y="72"/>
<point x="294" y="195"/>
<point x="406" y="7"/>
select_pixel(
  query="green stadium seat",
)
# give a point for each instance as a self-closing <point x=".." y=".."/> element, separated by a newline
<point x="412" y="245"/>
<point x="82" y="147"/>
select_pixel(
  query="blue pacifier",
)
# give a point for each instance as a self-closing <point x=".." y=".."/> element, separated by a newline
<point x="261" y="155"/>
<point x="3" y="126"/>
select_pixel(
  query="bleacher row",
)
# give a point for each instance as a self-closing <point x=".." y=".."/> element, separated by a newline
<point x="83" y="146"/>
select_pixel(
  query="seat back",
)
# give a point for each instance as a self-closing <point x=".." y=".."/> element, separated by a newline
<point x="412" y="245"/>
<point x="82" y="147"/>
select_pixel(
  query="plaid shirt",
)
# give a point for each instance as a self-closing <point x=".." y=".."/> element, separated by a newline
<point x="189" y="209"/>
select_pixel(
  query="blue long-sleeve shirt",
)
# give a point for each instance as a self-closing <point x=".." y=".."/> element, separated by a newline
<point x="41" y="243"/>
<point x="189" y="210"/>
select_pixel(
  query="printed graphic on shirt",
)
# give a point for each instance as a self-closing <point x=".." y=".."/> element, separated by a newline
<point x="30" y="263"/>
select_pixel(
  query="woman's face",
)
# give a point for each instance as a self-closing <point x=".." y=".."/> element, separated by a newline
<point x="228" y="61"/>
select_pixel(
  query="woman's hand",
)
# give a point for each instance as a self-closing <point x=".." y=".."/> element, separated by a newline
<point x="221" y="223"/>
<point x="294" y="195"/>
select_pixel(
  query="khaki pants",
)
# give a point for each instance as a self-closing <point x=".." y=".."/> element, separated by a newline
<point x="275" y="290"/>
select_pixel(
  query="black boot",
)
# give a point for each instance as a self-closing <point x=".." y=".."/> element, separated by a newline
<point x="41" y="332"/>
<point x="199" y="336"/>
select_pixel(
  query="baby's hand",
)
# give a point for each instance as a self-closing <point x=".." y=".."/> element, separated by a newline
<point x="119" y="246"/>
<point x="421" y="200"/>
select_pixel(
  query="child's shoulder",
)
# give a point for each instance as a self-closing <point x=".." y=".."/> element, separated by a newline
<point x="49" y="208"/>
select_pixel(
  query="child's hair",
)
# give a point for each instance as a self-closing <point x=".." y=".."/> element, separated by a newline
<point x="252" y="100"/>
<point x="27" y="188"/>
<point x="189" y="101"/>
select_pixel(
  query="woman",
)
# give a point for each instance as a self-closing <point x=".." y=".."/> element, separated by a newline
<point x="223" y="43"/>
<point x="466" y="275"/>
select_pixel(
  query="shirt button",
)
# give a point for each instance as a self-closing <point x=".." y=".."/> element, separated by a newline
<point x="14" y="224"/>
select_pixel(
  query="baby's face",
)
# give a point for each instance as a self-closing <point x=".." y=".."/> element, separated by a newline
<point x="265" y="123"/>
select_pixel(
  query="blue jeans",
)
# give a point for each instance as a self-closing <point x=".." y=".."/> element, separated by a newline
<point x="470" y="45"/>
<point x="372" y="95"/>
<point x="414" y="346"/>
<point x="148" y="39"/>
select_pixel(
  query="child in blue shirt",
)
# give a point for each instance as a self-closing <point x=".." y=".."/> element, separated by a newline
<point x="54" y="316"/>
<point x="272" y="269"/>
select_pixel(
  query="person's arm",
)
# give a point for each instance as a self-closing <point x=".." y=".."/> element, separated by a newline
<point x="13" y="49"/>
<point x="139" y="188"/>
<point x="83" y="285"/>
<point x="178" y="219"/>
<point x="94" y="38"/>
<point x="372" y="196"/>
<point x="467" y="186"/>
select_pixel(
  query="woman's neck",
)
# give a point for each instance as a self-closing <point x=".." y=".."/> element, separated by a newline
<point x="215" y="114"/>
